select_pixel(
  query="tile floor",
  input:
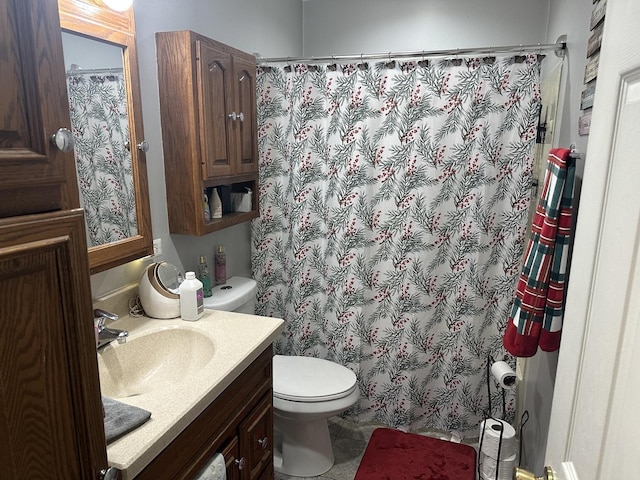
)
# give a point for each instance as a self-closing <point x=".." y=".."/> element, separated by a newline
<point x="349" y="443"/>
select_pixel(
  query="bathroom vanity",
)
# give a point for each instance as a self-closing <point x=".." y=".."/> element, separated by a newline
<point x="238" y="424"/>
<point x="208" y="386"/>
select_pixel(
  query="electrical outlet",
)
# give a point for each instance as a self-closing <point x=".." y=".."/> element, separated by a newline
<point x="157" y="247"/>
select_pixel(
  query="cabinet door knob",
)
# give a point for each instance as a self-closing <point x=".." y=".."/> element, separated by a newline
<point x="236" y="116"/>
<point x="62" y="140"/>
<point x="263" y="442"/>
<point x="239" y="463"/>
<point x="108" y="474"/>
<point x="143" y="146"/>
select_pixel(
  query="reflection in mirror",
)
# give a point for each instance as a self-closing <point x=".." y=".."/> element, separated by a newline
<point x="98" y="108"/>
<point x="98" y="38"/>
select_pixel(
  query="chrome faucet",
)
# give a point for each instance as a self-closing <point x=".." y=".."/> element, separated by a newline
<point x="107" y="335"/>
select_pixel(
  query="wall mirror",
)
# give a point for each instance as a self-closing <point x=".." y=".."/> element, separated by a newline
<point x="106" y="119"/>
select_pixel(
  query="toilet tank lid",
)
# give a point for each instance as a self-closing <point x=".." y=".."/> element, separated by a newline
<point x="231" y="295"/>
<point x="309" y="379"/>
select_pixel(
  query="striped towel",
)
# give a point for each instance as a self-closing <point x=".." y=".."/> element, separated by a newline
<point x="538" y="306"/>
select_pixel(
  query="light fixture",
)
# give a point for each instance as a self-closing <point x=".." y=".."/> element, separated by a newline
<point x="117" y="5"/>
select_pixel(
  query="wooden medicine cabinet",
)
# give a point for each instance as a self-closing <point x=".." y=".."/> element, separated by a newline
<point x="208" y="114"/>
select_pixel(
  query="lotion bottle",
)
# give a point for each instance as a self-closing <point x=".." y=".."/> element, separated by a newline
<point x="204" y="277"/>
<point x="191" y="298"/>
<point x="220" y="266"/>
<point x="216" y="204"/>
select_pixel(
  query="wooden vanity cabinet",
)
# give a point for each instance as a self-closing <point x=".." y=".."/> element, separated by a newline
<point x="34" y="175"/>
<point x="239" y="424"/>
<point x="209" y="127"/>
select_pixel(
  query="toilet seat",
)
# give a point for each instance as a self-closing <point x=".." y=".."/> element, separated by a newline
<point x="309" y="379"/>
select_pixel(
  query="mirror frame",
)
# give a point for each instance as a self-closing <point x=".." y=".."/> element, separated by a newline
<point x="87" y="18"/>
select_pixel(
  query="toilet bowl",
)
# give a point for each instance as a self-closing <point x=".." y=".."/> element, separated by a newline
<point x="306" y="392"/>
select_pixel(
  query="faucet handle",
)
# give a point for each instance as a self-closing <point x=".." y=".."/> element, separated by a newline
<point x="102" y="314"/>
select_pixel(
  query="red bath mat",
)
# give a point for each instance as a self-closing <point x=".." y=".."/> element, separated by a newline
<point x="395" y="455"/>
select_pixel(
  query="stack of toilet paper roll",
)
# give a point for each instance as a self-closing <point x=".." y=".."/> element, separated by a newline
<point x="493" y="467"/>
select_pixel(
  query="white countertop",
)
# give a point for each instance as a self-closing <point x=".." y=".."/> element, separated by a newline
<point x="238" y="340"/>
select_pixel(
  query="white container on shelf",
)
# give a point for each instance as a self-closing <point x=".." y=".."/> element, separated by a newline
<point x="216" y="204"/>
<point x="242" y="202"/>
<point x="191" y="298"/>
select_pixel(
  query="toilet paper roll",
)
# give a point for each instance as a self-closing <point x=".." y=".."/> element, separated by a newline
<point x="504" y="375"/>
<point x="494" y="470"/>
<point x="490" y="437"/>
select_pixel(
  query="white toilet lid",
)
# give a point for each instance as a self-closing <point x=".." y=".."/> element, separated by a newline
<point x="308" y="379"/>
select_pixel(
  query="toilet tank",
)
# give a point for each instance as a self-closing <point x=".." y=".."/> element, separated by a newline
<point x="237" y="295"/>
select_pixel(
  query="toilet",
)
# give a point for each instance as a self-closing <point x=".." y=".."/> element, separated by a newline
<point x="306" y="392"/>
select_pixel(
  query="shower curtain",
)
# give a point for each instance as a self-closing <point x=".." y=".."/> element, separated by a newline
<point x="393" y="209"/>
<point x="99" y="121"/>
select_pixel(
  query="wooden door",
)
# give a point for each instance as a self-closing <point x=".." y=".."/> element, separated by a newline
<point x="246" y="155"/>
<point x="595" y="425"/>
<point x="215" y="90"/>
<point x="50" y="409"/>
<point x="34" y="175"/>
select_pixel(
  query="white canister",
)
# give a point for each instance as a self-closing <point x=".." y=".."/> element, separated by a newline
<point x="191" y="298"/>
<point x="242" y="202"/>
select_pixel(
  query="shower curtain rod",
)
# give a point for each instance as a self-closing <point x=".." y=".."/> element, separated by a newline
<point x="78" y="70"/>
<point x="558" y="47"/>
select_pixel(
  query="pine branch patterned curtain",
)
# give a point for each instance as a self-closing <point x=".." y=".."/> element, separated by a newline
<point x="394" y="201"/>
<point x="99" y="122"/>
<point x="538" y="306"/>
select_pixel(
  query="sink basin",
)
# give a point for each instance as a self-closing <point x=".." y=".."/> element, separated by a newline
<point x="152" y="360"/>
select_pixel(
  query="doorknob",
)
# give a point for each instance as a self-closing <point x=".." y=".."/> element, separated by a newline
<point x="522" y="474"/>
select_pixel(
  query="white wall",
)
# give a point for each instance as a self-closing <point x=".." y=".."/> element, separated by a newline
<point x="570" y="17"/>
<point x="335" y="27"/>
<point x="268" y="27"/>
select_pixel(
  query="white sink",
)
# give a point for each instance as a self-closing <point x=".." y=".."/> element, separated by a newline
<point x="158" y="359"/>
